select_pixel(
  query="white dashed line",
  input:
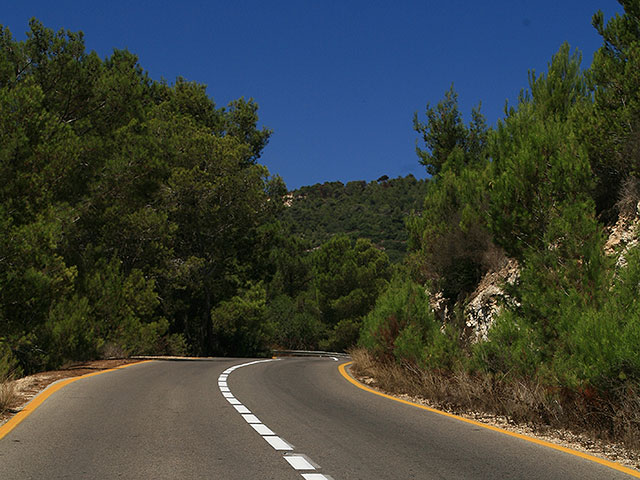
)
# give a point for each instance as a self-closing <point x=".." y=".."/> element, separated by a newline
<point x="251" y="418"/>
<point x="297" y="461"/>
<point x="277" y="443"/>
<point x="262" y="429"/>
<point x="241" y="409"/>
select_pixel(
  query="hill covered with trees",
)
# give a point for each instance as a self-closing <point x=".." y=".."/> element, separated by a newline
<point x="376" y="210"/>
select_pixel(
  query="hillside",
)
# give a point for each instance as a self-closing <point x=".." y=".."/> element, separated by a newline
<point x="374" y="210"/>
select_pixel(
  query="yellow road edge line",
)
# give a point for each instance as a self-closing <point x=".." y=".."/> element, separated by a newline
<point x="586" y="456"/>
<point x="39" y="399"/>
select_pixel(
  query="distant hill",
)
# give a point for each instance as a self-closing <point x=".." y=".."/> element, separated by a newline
<point x="374" y="210"/>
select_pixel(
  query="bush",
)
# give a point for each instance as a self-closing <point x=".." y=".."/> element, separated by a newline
<point x="8" y="364"/>
<point x="343" y="336"/>
<point x="71" y="333"/>
<point x="403" y="328"/>
<point x="295" y="322"/>
<point x="238" y="324"/>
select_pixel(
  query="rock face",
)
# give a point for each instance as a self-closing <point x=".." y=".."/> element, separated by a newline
<point x="623" y="236"/>
<point x="487" y="300"/>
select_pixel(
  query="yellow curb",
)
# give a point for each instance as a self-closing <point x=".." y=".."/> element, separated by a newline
<point x="30" y="407"/>
<point x="606" y="463"/>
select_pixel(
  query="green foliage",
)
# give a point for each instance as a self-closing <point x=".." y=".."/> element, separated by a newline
<point x="448" y="238"/>
<point x="610" y="124"/>
<point x="9" y="367"/>
<point x="348" y="278"/>
<point x="296" y="322"/>
<point x="403" y="328"/>
<point x="538" y="163"/>
<point x="71" y="332"/>
<point x="131" y="208"/>
<point x="559" y="286"/>
<point x="444" y="132"/>
<point x="602" y="348"/>
<point x="238" y="324"/>
<point x="376" y="210"/>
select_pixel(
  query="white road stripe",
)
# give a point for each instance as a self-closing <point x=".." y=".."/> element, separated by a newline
<point x="251" y="418"/>
<point x="262" y="429"/>
<point x="277" y="443"/>
<point x="299" y="462"/>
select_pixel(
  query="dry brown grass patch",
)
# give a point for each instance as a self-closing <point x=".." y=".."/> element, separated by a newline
<point x="8" y="395"/>
<point x="519" y="401"/>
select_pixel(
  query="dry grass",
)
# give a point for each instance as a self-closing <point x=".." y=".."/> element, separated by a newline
<point x="615" y="418"/>
<point x="8" y="395"/>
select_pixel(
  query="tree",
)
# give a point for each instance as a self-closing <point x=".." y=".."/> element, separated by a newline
<point x="612" y="122"/>
<point x="538" y="164"/>
<point x="444" y="131"/>
<point x="348" y="278"/>
<point x="448" y="237"/>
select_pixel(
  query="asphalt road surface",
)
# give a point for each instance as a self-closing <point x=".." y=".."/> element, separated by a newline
<point x="285" y="419"/>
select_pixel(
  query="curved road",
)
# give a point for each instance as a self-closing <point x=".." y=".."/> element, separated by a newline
<point x="185" y="420"/>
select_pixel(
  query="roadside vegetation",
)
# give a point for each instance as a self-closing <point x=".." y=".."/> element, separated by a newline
<point x="541" y="188"/>
<point x="135" y="218"/>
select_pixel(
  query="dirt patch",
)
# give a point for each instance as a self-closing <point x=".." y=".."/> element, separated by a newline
<point x="24" y="389"/>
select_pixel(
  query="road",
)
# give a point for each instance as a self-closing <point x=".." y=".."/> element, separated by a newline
<point x="183" y="420"/>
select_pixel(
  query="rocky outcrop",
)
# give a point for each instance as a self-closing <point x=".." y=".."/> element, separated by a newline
<point x="623" y="236"/>
<point x="487" y="300"/>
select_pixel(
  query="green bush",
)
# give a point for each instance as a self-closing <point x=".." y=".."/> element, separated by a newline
<point x="403" y="328"/>
<point x="71" y="332"/>
<point x="342" y="336"/>
<point x="8" y="364"/>
<point x="238" y="324"/>
<point x="295" y="322"/>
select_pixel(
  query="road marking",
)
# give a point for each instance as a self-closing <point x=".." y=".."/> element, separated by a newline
<point x="277" y="443"/>
<point x="262" y="429"/>
<point x="241" y="409"/>
<point x="297" y="461"/>
<point x="335" y="359"/>
<point x="586" y="456"/>
<point x="250" y="418"/>
<point x="39" y="399"/>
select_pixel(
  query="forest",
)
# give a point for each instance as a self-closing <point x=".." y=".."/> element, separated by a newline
<point x="135" y="218"/>
<point x="376" y="211"/>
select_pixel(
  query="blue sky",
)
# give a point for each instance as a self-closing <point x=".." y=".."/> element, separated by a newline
<point x="337" y="81"/>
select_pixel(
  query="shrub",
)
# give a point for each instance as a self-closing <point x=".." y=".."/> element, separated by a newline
<point x="238" y="324"/>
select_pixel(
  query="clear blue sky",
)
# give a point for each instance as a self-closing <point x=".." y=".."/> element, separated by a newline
<point x="337" y="81"/>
